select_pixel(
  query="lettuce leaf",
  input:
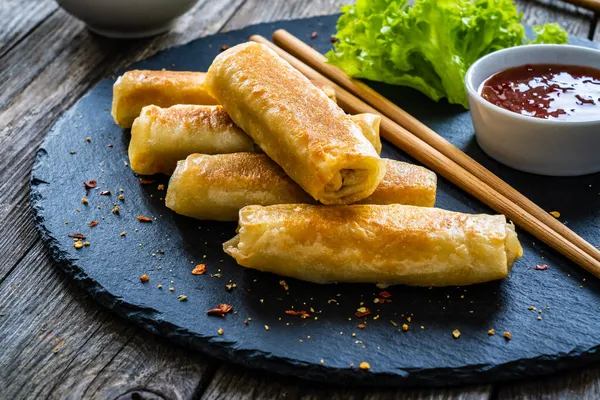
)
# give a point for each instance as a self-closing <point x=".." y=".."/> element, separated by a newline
<point x="430" y="45"/>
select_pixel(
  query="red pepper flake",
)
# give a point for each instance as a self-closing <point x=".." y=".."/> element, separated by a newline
<point x="146" y="181"/>
<point x="541" y="267"/>
<point x="302" y="314"/>
<point x="93" y="223"/>
<point x="105" y="193"/>
<point x="362" y="326"/>
<point x="224" y="47"/>
<point x="314" y="35"/>
<point x="385" y="295"/>
<point x="141" y="218"/>
<point x="333" y="39"/>
<point x="199" y="269"/>
<point x="89" y="185"/>
<point x="144" y="278"/>
<point x="221" y="310"/>
<point x="77" y="236"/>
<point x="362" y="312"/>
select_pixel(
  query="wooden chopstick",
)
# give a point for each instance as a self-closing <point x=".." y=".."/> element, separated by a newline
<point x="316" y="60"/>
<point x="593" y="5"/>
<point x="447" y="168"/>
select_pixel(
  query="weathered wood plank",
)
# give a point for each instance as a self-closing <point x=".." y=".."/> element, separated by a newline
<point x="18" y="18"/>
<point x="576" y="20"/>
<point x="581" y="384"/>
<point x="255" y="11"/>
<point x="234" y="383"/>
<point x="56" y="342"/>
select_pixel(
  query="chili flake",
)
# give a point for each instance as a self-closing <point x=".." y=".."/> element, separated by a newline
<point x="507" y="335"/>
<point x="362" y="326"/>
<point x="333" y="39"/>
<point x="89" y="185"/>
<point x="145" y="181"/>
<point x="160" y="187"/>
<point x="221" y="310"/>
<point x="224" y="47"/>
<point x="199" y="269"/>
<point x="84" y="200"/>
<point x="555" y="214"/>
<point x="78" y="244"/>
<point x="314" y="35"/>
<point x="456" y="333"/>
<point x="105" y="193"/>
<point x="93" y="223"/>
<point x="385" y="295"/>
<point x="491" y="332"/>
<point x="362" y="312"/>
<point x="365" y="366"/>
<point x="141" y="218"/>
<point x="302" y="314"/>
<point x="144" y="278"/>
<point x="77" y="235"/>
<point x="541" y="267"/>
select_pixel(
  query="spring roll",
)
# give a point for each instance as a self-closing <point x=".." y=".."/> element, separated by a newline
<point x="216" y="187"/>
<point x="295" y="124"/>
<point x="389" y="244"/>
<point x="137" y="89"/>
<point x="162" y="136"/>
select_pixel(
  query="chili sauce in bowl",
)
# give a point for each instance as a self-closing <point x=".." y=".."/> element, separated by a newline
<point x="548" y="91"/>
<point x="536" y="108"/>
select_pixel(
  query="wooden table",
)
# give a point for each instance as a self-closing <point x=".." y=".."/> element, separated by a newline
<point x="55" y="341"/>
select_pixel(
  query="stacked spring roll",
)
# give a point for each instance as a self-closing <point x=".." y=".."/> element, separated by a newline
<point x="260" y="143"/>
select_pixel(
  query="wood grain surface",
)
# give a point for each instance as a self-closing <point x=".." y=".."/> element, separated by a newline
<point x="56" y="341"/>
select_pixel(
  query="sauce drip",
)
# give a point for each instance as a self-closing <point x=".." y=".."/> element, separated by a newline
<point x="548" y="91"/>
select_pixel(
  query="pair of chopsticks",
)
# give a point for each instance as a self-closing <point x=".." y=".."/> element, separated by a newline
<point x="435" y="152"/>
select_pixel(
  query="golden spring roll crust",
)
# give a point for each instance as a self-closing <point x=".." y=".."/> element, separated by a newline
<point x="294" y="122"/>
<point x="162" y="136"/>
<point x="138" y="88"/>
<point x="218" y="186"/>
<point x="369" y="125"/>
<point x="390" y="244"/>
<point x="405" y="183"/>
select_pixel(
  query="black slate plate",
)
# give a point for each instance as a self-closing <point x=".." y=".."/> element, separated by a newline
<point x="323" y="347"/>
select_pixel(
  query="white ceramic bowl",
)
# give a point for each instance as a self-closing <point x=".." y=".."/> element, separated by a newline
<point x="541" y="146"/>
<point x="127" y="19"/>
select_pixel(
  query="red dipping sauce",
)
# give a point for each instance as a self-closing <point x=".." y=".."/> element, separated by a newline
<point x="548" y="91"/>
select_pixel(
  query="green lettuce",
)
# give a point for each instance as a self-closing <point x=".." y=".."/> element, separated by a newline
<point x="430" y="45"/>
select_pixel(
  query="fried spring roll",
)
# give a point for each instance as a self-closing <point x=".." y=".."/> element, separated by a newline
<point x="389" y="244"/>
<point x="162" y="136"/>
<point x="137" y="89"/>
<point x="216" y="187"/>
<point x="295" y="124"/>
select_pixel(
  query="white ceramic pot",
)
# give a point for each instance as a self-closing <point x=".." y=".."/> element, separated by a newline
<point x="541" y="146"/>
<point x="127" y="19"/>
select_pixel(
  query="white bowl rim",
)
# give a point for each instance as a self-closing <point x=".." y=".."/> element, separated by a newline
<point x="474" y="92"/>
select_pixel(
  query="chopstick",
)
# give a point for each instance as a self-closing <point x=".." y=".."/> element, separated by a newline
<point x="593" y="5"/>
<point x="316" y="60"/>
<point x="447" y="168"/>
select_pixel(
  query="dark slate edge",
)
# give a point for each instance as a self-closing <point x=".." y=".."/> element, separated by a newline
<point x="221" y="348"/>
